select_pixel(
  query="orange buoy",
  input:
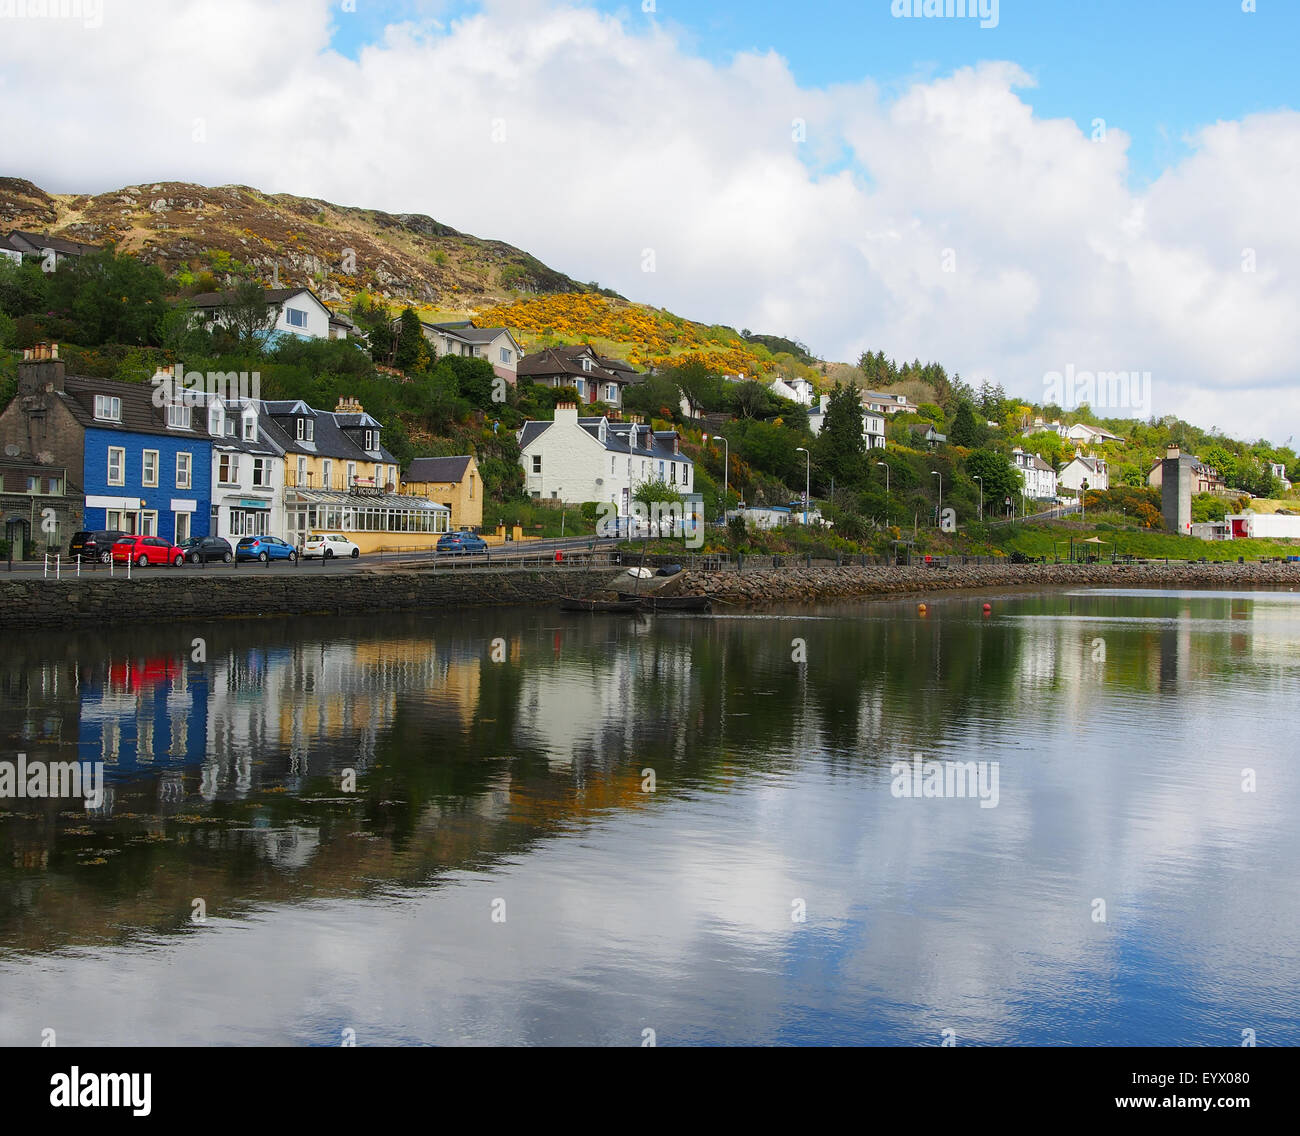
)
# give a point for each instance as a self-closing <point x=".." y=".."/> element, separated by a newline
<point x="921" y="609"/>
<point x="988" y="608"/>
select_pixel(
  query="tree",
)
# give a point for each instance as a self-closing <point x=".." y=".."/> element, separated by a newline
<point x="247" y="315"/>
<point x="111" y="298"/>
<point x="1000" y="477"/>
<point x="965" y="431"/>
<point x="840" y="448"/>
<point x="751" y="399"/>
<point x="656" y="490"/>
<point x="412" y="352"/>
<point x="700" y="386"/>
<point x="655" y="395"/>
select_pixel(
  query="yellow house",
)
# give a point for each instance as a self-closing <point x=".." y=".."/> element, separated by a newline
<point x="454" y="482"/>
<point x="339" y="478"/>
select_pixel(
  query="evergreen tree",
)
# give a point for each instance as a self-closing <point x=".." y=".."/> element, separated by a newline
<point x="840" y="449"/>
<point x="965" y="431"/>
<point x="412" y="349"/>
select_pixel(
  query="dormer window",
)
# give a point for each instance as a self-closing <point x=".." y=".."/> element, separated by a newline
<point x="372" y="440"/>
<point x="108" y="408"/>
<point x="586" y="364"/>
<point x="215" y="425"/>
<point x="250" y="427"/>
<point x="306" y="430"/>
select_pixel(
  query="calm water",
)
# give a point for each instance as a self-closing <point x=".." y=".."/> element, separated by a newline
<point x="501" y="876"/>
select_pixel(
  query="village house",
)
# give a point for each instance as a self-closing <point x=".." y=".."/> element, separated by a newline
<point x="574" y="459"/>
<point x="52" y="251"/>
<point x="1037" y="477"/>
<point x="873" y="423"/>
<point x="796" y="390"/>
<point x="887" y="404"/>
<point x="454" y="482"/>
<point x="925" y="432"/>
<point x="1080" y="469"/>
<point x="1087" y="435"/>
<point x="1278" y="470"/>
<point x="495" y="344"/>
<point x="141" y="468"/>
<point x="1201" y="477"/>
<point x="297" y="311"/>
<point x="39" y="508"/>
<point x="596" y="378"/>
<point x="247" y="473"/>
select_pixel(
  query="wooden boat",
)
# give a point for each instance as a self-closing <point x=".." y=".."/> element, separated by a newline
<point x="612" y="607"/>
<point x="667" y="603"/>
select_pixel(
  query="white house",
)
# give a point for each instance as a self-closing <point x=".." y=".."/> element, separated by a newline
<point x="1080" y="469"/>
<point x="796" y="390"/>
<point x="495" y="344"/>
<point x="1090" y="435"/>
<point x="576" y="459"/>
<point x="1037" y="476"/>
<point x="1278" y="470"/>
<point x="247" y="473"/>
<point x="297" y="311"/>
<point x="763" y="517"/>
<point x="884" y="403"/>
<point x="873" y="423"/>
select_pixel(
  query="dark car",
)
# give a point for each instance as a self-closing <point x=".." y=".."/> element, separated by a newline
<point x="265" y="548"/>
<point x="462" y="542"/>
<point x="206" y="548"/>
<point x="95" y="544"/>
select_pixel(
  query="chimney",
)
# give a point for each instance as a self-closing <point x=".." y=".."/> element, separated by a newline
<point x="1173" y="452"/>
<point x="348" y="406"/>
<point x="41" y="370"/>
<point x="566" y="412"/>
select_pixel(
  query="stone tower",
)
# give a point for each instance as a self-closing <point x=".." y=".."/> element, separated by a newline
<point x="1176" y="493"/>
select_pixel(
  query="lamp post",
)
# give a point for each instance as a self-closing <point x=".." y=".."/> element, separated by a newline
<point x="807" y="479"/>
<point x="936" y="473"/>
<point x="981" y="481"/>
<point x="726" y="461"/>
<point x="886" y="465"/>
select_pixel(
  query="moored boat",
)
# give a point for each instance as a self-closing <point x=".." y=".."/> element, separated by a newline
<point x="570" y="603"/>
<point x="667" y="603"/>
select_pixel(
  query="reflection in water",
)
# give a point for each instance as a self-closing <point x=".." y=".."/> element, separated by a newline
<point x="1122" y="724"/>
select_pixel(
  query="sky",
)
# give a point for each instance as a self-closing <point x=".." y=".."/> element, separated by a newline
<point x="1031" y="194"/>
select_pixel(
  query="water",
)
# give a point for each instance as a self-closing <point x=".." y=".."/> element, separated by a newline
<point x="501" y="876"/>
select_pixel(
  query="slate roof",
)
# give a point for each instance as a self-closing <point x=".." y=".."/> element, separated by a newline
<point x="269" y="295"/>
<point x="38" y="242"/>
<point x="330" y="441"/>
<point x="565" y="361"/>
<point x="139" y="415"/>
<point x="450" y="469"/>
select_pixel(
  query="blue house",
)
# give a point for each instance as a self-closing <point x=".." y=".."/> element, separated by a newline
<point x="144" y="468"/>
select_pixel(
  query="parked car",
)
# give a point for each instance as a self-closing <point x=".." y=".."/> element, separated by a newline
<point x="328" y="546"/>
<point x="265" y="548"/>
<point x="145" y="550"/>
<point x="207" y="548"/>
<point x="462" y="542"/>
<point x="95" y="544"/>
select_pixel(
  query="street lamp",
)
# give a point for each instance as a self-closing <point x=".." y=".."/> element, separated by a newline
<point x="726" y="461"/>
<point x="981" y="481"/>
<point x="807" y="479"/>
<point x="939" y="510"/>
<point x="886" y="465"/>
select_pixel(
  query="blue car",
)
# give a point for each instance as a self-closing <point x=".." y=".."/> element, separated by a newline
<point x="265" y="548"/>
<point x="462" y="542"/>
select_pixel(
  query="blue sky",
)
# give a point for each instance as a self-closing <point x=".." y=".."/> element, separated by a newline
<point x="1156" y="69"/>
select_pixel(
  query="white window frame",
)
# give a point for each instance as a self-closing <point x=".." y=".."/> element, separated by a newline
<point x="302" y="473"/>
<point x="182" y="527"/>
<point x="147" y="479"/>
<point x="262" y="473"/>
<point x="537" y="463"/>
<point x="178" y="416"/>
<point x="184" y="470"/>
<point x="327" y="474"/>
<point x="505" y="354"/>
<point x="120" y="479"/>
<point x="216" y="423"/>
<point x="108" y="408"/>
<point x="301" y="318"/>
<point x="352" y="475"/>
<point x="250" y="427"/>
<point x="230" y="462"/>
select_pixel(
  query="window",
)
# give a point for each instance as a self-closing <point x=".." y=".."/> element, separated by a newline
<point x="182" y="527"/>
<point x="149" y="469"/>
<point x="327" y="474"/>
<point x="250" y="428"/>
<point x="295" y="317"/>
<point x="108" y="408"/>
<point x="661" y="471"/>
<point x="56" y="486"/>
<point x="586" y="364"/>
<point x="228" y="469"/>
<point x="113" y="520"/>
<point x="611" y="464"/>
<point x="505" y="354"/>
<point x="672" y="473"/>
<point x="302" y="472"/>
<point x="262" y="472"/>
<point x="116" y="465"/>
<point x="33" y="485"/>
<point x="471" y="487"/>
<point x="352" y="475"/>
<point x="149" y="524"/>
<point x="537" y="463"/>
<point x="215" y="425"/>
<point x="230" y="427"/>
<point x="183" y="471"/>
<point x="611" y="392"/>
<point x="178" y="416"/>
<point x="372" y="440"/>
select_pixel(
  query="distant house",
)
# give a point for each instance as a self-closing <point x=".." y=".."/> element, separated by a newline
<point x="1201" y="477"/>
<point x="1037" y="476"/>
<point x="884" y="403"/>
<point x="341" y="327"/>
<point x="597" y="378"/>
<point x="54" y="250"/>
<point x="1090" y="435"/>
<point x="464" y="337"/>
<point x="298" y="312"/>
<point x="1278" y="470"/>
<point x="796" y="390"/>
<point x="1041" y="427"/>
<point x="576" y="459"/>
<point x="763" y="517"/>
<point x="873" y="423"/>
<point x="454" y="482"/>
<point x="1080" y="469"/>
<point x="925" y="432"/>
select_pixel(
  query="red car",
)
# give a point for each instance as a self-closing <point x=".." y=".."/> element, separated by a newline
<point x="144" y="550"/>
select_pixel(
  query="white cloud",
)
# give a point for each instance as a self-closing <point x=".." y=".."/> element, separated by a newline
<point x="618" y="139"/>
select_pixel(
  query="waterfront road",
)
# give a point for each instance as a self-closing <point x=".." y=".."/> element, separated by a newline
<point x="532" y="553"/>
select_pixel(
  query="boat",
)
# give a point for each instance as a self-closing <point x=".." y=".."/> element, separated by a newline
<point x="611" y="607"/>
<point x="667" y="603"/>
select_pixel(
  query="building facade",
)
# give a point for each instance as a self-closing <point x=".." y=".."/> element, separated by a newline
<point x="452" y="481"/>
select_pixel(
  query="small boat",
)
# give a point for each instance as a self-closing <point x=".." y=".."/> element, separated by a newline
<point x="667" y="603"/>
<point x="612" y="607"/>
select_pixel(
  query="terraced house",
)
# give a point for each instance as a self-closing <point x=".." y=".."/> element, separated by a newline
<point x="142" y="468"/>
<point x="338" y="477"/>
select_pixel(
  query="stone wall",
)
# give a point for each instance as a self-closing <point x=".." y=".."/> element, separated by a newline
<point x="158" y="595"/>
<point x="802" y="585"/>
